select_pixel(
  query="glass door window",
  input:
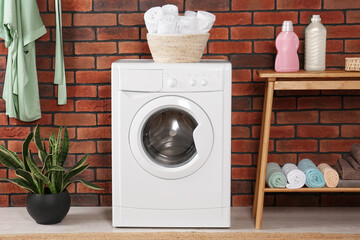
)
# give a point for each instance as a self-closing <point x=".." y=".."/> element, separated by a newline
<point x="167" y="137"/>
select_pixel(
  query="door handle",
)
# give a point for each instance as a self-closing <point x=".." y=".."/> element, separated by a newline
<point x="203" y="140"/>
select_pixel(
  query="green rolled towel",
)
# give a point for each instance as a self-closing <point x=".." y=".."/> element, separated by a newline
<point x="275" y="177"/>
<point x="314" y="177"/>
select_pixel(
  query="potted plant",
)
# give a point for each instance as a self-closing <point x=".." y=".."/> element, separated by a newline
<point x="48" y="200"/>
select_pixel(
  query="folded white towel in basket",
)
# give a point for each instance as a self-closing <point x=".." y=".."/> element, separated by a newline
<point x="190" y="14"/>
<point x="170" y="9"/>
<point x="166" y="20"/>
<point x="188" y="24"/>
<point x="151" y="18"/>
<point x="168" y="24"/>
<point x="205" y="21"/>
<point x="296" y="178"/>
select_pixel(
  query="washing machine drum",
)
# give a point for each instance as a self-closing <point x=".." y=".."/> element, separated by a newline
<point x="171" y="137"/>
<point x="168" y="137"/>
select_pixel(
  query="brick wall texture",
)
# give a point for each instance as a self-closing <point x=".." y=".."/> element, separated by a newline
<point x="320" y="125"/>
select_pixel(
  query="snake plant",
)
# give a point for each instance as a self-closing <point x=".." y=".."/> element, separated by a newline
<point x="51" y="173"/>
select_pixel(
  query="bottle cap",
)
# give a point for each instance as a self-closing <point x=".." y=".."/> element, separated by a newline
<point x="287" y="26"/>
<point x="315" y="19"/>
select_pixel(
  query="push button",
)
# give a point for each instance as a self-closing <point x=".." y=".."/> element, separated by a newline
<point x="172" y="82"/>
<point x="192" y="82"/>
<point x="204" y="82"/>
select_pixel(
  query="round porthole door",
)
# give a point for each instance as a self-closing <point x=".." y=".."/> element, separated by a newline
<point x="171" y="137"/>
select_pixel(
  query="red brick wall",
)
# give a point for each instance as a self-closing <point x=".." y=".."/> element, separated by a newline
<point x="318" y="124"/>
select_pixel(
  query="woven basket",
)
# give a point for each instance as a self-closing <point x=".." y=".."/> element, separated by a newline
<point x="352" y="64"/>
<point x="181" y="48"/>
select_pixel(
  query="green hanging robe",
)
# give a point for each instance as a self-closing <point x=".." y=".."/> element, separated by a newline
<point x="20" y="26"/>
<point x="59" y="78"/>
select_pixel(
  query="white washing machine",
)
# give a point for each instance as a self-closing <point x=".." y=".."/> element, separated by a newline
<point x="171" y="140"/>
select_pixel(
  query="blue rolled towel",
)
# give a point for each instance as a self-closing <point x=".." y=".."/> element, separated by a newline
<point x="314" y="177"/>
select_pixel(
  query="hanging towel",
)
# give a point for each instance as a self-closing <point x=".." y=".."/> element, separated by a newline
<point x="314" y="178"/>
<point x="295" y="177"/>
<point x="20" y="26"/>
<point x="330" y="175"/>
<point x="59" y="78"/>
<point x="275" y="178"/>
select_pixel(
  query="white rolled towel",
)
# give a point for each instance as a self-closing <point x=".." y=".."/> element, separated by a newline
<point x="190" y="14"/>
<point x="168" y="24"/>
<point x="188" y="24"/>
<point x="205" y="21"/>
<point x="170" y="9"/>
<point x="296" y="178"/>
<point x="151" y="18"/>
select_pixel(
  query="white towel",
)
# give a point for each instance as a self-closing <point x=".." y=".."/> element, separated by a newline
<point x="170" y="9"/>
<point x="151" y="18"/>
<point x="296" y="178"/>
<point x="188" y="24"/>
<point x="205" y="21"/>
<point x="168" y="24"/>
<point x="190" y="14"/>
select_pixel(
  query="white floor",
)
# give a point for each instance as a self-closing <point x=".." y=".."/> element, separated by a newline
<point x="98" y="219"/>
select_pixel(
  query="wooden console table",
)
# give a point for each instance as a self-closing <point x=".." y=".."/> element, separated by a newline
<point x="302" y="80"/>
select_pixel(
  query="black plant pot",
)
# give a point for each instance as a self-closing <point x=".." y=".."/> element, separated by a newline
<point x="48" y="208"/>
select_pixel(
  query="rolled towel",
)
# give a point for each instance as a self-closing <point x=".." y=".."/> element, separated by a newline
<point x="330" y="175"/>
<point x="355" y="152"/>
<point x="314" y="178"/>
<point x="205" y="21"/>
<point x="275" y="178"/>
<point x="151" y="18"/>
<point x="168" y="25"/>
<point x="170" y="9"/>
<point x="187" y="24"/>
<point x="295" y="177"/>
<point x="190" y="14"/>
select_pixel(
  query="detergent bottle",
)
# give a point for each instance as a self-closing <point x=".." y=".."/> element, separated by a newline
<point x="315" y="45"/>
<point x="287" y="44"/>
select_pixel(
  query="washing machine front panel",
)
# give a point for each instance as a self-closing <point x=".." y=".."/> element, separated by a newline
<point x="143" y="194"/>
<point x="167" y="140"/>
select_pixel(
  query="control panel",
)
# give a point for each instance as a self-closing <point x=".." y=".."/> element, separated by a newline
<point x="194" y="81"/>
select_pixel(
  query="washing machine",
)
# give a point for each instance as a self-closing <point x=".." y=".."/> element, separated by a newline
<point x="171" y="140"/>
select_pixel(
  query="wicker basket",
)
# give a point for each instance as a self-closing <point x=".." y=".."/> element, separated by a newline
<point x="352" y="64"/>
<point x="181" y="48"/>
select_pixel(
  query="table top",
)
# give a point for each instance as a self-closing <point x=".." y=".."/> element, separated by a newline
<point x="270" y="73"/>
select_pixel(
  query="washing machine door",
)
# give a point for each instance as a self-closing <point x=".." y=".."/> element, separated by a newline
<point x="171" y="137"/>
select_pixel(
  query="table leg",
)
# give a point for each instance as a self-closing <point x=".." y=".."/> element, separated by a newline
<point x="268" y="101"/>
<point x="259" y="155"/>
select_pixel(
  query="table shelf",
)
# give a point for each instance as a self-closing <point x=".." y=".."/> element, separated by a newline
<point x="302" y="80"/>
<point x="305" y="189"/>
